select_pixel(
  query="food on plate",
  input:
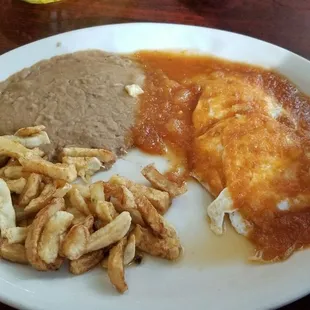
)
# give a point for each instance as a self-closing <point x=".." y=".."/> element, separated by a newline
<point x="80" y="98"/>
<point x="243" y="133"/>
<point x="49" y="220"/>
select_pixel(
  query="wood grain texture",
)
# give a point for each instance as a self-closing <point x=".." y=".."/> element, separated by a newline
<point x="282" y="22"/>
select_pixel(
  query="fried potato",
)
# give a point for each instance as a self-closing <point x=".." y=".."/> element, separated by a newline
<point x="111" y="233"/>
<point x="116" y="266"/>
<point x="99" y="207"/>
<point x="160" y="182"/>
<point x="15" y="234"/>
<point x="16" y="186"/>
<point x="130" y="250"/>
<point x="168" y="248"/>
<point x="77" y="201"/>
<point x="33" y="141"/>
<point x="15" y="253"/>
<point x="97" y="192"/>
<point x="89" y="223"/>
<point x="34" y="234"/>
<point x="85" y="166"/>
<point x="14" y="172"/>
<point x="86" y="262"/>
<point x="160" y="200"/>
<point x="128" y="204"/>
<point x="63" y="190"/>
<point x="31" y="190"/>
<point x="29" y="131"/>
<point x="83" y="189"/>
<point x="42" y="200"/>
<point x="153" y="219"/>
<point x="54" y="171"/>
<point x="104" y="156"/>
<point x="14" y="149"/>
<point x="75" y="243"/>
<point x="79" y="217"/>
<point x="49" y="243"/>
<point x="7" y="211"/>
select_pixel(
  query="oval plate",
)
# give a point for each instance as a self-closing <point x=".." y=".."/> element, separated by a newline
<point x="214" y="273"/>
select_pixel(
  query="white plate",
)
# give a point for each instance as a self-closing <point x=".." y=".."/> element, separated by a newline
<point x="213" y="273"/>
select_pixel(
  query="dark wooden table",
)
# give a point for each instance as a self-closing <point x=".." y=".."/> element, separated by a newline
<point x="282" y="22"/>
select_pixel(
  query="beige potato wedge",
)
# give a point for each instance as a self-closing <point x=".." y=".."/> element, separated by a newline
<point x="54" y="171"/>
<point x="14" y="149"/>
<point x="105" y="156"/>
<point x="168" y="248"/>
<point x="31" y="189"/>
<point x="34" y="234"/>
<point x="83" y="189"/>
<point x="159" y="181"/>
<point x="85" y="166"/>
<point x="128" y="204"/>
<point x="31" y="142"/>
<point x="153" y="219"/>
<point x="42" y="200"/>
<point x="78" y="202"/>
<point x="130" y="250"/>
<point x="116" y="271"/>
<point x="160" y="200"/>
<point x="14" y="172"/>
<point x="79" y="217"/>
<point x="63" y="190"/>
<point x="16" y="186"/>
<point x="29" y="131"/>
<point x="75" y="243"/>
<point x="49" y="243"/>
<point x="97" y="192"/>
<point x="7" y="211"/>
<point x="111" y="233"/>
<point x="89" y="223"/>
<point x="15" y="234"/>
<point x="86" y="262"/>
<point x="15" y="253"/>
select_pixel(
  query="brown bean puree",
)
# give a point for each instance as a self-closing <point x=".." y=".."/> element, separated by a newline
<point x="80" y="98"/>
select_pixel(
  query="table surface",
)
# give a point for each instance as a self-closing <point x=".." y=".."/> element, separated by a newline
<point x="282" y="22"/>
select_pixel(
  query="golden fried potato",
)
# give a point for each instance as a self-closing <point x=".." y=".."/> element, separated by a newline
<point x="30" y="142"/>
<point x="16" y="186"/>
<point x="160" y="200"/>
<point x="86" y="262"/>
<point x="42" y="200"/>
<point x="160" y="182"/>
<point x="14" y="172"/>
<point x="35" y="232"/>
<point x="85" y="166"/>
<point x="54" y="171"/>
<point x="153" y="219"/>
<point x="15" y="234"/>
<point x="78" y="202"/>
<point x="168" y="248"/>
<point x="31" y="190"/>
<point x="79" y="217"/>
<point x="75" y="243"/>
<point x="111" y="233"/>
<point x="116" y="266"/>
<point x="14" y="149"/>
<point x="29" y="131"/>
<point x="15" y="253"/>
<point x="128" y="204"/>
<point x="49" y="243"/>
<point x="83" y="189"/>
<point x="7" y="211"/>
<point x="130" y="250"/>
<point x="104" y="156"/>
<point x="62" y="190"/>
